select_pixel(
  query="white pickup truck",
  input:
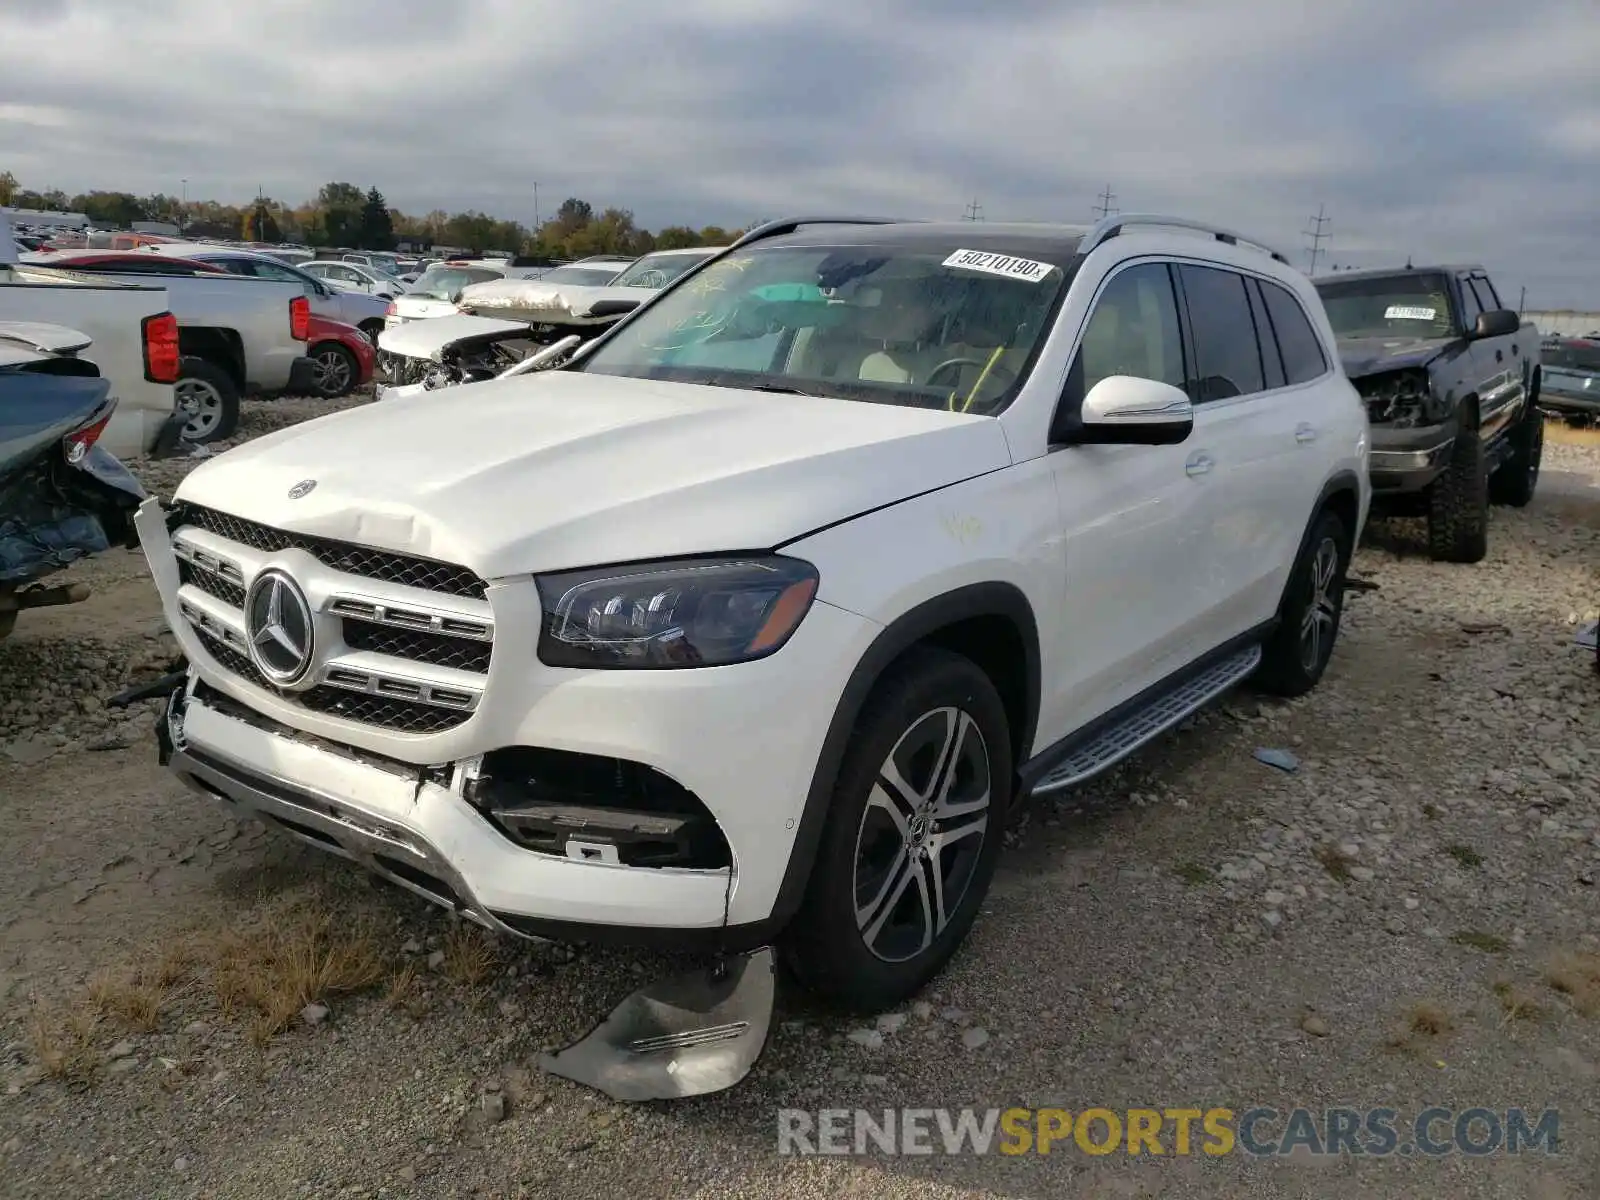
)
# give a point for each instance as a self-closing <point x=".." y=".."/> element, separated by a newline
<point x="236" y="335"/>
<point x="134" y="343"/>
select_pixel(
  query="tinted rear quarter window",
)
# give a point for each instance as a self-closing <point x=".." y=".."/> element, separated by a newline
<point x="1271" y="358"/>
<point x="1228" y="359"/>
<point x="1303" y="359"/>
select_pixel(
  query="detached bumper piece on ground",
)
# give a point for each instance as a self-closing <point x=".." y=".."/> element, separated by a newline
<point x="685" y="1035"/>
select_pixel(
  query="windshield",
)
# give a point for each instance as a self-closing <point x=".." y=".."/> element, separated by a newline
<point x="655" y="271"/>
<point x="442" y="283"/>
<point x="583" y="276"/>
<point x="931" y="326"/>
<point x="1394" y="306"/>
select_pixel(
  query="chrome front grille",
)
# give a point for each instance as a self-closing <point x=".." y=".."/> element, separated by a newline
<point x="400" y="643"/>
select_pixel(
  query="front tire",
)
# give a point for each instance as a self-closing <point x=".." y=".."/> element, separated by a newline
<point x="1458" y="503"/>
<point x="912" y="836"/>
<point x="1296" y="656"/>
<point x="209" y="399"/>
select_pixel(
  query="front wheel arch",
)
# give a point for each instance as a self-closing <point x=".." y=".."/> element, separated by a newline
<point x="930" y="623"/>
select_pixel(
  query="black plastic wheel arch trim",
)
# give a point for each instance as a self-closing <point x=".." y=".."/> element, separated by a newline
<point x="995" y="599"/>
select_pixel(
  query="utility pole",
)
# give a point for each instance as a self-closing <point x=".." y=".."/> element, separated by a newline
<point x="183" y="213"/>
<point x="1104" y="209"/>
<point x="974" y="212"/>
<point x="1522" y="301"/>
<point x="535" y="208"/>
<point x="1317" y="236"/>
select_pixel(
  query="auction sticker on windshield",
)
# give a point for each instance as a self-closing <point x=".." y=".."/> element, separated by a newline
<point x="999" y="264"/>
<point x="1405" y="312"/>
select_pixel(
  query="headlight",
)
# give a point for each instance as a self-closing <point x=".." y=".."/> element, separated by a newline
<point x="702" y="612"/>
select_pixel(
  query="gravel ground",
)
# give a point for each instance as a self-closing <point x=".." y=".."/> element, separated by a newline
<point x="1381" y="927"/>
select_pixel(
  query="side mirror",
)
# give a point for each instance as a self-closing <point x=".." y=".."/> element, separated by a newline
<point x="612" y="308"/>
<point x="1124" y="410"/>
<point x="1499" y="323"/>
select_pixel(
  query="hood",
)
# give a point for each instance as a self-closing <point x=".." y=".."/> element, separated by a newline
<point x="552" y="303"/>
<point x="1370" y="356"/>
<point x="428" y="339"/>
<point x="33" y="340"/>
<point x="563" y="469"/>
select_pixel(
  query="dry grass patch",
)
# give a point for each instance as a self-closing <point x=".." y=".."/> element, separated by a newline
<point x="262" y="973"/>
<point x="64" y="1045"/>
<point x="126" y="999"/>
<point x="1429" y="1019"/>
<point x="471" y="955"/>
<point x="270" y="971"/>
<point x="1424" y="1020"/>
<point x="1576" y="975"/>
<point x="1517" y="1002"/>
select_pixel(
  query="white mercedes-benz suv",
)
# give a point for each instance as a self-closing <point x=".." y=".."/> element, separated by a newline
<point x="751" y="623"/>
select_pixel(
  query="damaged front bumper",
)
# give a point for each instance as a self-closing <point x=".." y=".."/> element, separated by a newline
<point x="413" y="826"/>
<point x="1409" y="459"/>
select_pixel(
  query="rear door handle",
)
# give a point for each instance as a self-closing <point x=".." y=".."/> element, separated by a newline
<point x="1499" y="355"/>
<point x="1305" y="434"/>
<point x="1198" y="464"/>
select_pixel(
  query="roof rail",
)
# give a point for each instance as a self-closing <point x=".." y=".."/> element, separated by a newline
<point x="790" y="224"/>
<point x="1109" y="227"/>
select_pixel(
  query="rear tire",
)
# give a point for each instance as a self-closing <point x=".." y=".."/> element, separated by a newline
<point x="913" y="833"/>
<point x="1458" y="503"/>
<point x="209" y="397"/>
<point x="337" y="370"/>
<point x="1513" y="484"/>
<point x="1296" y="655"/>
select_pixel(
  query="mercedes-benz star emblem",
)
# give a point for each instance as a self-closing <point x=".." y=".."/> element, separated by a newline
<point x="303" y="488"/>
<point x="277" y="620"/>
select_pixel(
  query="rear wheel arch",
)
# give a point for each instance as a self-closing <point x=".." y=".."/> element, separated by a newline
<point x="992" y="624"/>
<point x="220" y="347"/>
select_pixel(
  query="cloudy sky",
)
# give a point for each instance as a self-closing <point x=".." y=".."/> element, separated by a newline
<point x="1434" y="128"/>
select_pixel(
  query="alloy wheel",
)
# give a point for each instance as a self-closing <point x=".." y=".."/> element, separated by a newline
<point x="1322" y="614"/>
<point x="333" y="372"/>
<point x="921" y="834"/>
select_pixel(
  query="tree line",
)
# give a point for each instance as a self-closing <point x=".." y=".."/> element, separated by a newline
<point x="342" y="214"/>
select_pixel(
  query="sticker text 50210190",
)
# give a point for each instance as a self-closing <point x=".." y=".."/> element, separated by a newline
<point x="1000" y="264"/>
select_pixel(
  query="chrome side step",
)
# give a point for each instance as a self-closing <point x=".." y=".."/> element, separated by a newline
<point x="1115" y="743"/>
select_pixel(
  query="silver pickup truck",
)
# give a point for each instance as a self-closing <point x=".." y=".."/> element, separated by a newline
<point x="235" y="335"/>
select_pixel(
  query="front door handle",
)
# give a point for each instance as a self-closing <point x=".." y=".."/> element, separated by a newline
<point x="1499" y="356"/>
<point x="1305" y="434"/>
<point x="1198" y="464"/>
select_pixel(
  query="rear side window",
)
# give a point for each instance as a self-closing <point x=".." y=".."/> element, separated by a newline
<point x="1271" y="358"/>
<point x="1228" y="361"/>
<point x="1303" y="359"/>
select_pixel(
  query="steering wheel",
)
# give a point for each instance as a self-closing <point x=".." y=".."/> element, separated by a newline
<point x="650" y="279"/>
<point x="1004" y="374"/>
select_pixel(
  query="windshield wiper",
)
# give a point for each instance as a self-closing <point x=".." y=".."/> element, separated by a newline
<point x="780" y="389"/>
